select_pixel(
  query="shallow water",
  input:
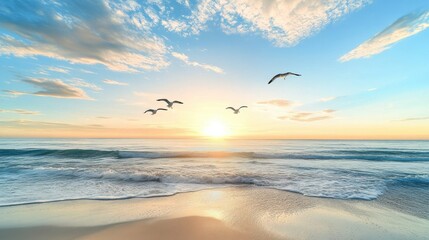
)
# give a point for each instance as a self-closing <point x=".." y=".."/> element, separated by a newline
<point x="37" y="170"/>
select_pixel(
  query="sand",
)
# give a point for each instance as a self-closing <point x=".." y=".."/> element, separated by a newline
<point x="226" y="213"/>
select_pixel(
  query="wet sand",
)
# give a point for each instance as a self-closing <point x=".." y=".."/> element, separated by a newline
<point x="226" y="213"/>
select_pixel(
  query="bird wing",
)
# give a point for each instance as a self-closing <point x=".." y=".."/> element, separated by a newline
<point x="162" y="109"/>
<point x="231" y="108"/>
<point x="242" y="107"/>
<point x="150" y="110"/>
<point x="276" y="76"/>
<point x="179" y="102"/>
<point x="164" y="99"/>
<point x="291" y="73"/>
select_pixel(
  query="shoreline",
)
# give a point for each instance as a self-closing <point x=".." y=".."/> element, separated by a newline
<point x="242" y="212"/>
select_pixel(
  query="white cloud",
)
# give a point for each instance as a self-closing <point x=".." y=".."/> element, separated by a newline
<point x="113" y="82"/>
<point x="87" y="71"/>
<point x="58" y="69"/>
<point x="14" y="93"/>
<point x="174" y="25"/>
<point x="19" y="111"/>
<point x="327" y="99"/>
<point x="184" y="58"/>
<point x="283" y="22"/>
<point x="309" y="116"/>
<point x="77" y="82"/>
<point x="404" y="27"/>
<point x="278" y="103"/>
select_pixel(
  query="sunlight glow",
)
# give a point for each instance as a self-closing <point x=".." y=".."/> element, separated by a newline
<point x="215" y="129"/>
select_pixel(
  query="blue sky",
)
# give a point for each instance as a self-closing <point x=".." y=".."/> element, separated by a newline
<point x="91" y="68"/>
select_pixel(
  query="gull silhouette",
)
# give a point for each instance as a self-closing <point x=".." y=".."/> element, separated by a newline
<point x="283" y="75"/>
<point x="153" y="111"/>
<point x="169" y="104"/>
<point x="236" y="111"/>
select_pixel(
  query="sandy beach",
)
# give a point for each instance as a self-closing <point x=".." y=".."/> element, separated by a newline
<point x="225" y="213"/>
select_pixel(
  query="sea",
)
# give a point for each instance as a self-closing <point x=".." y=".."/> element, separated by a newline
<point x="44" y="170"/>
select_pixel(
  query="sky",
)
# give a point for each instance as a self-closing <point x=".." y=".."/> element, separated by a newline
<point x="90" y="68"/>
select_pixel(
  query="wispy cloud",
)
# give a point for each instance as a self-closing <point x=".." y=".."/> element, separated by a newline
<point x="278" y="103"/>
<point x="114" y="82"/>
<point x="58" y="69"/>
<point x="19" y="111"/>
<point x="404" y="27"/>
<point x="23" y="127"/>
<point x="186" y="60"/>
<point x="85" y="32"/>
<point x="52" y="88"/>
<point x="23" y="123"/>
<point x="327" y="99"/>
<point x="14" y="93"/>
<point x="309" y="116"/>
<point x="87" y="71"/>
<point x="414" y="119"/>
<point x="77" y="82"/>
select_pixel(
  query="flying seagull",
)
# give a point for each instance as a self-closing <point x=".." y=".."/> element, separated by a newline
<point x="169" y="104"/>
<point x="153" y="111"/>
<point x="236" y="111"/>
<point x="283" y="75"/>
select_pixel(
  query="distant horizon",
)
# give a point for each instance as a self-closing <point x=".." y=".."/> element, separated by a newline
<point x="228" y="138"/>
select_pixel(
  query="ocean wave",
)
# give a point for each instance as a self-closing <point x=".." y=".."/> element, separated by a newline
<point x="65" y="153"/>
<point x="370" y="155"/>
<point x="152" y="176"/>
<point x="342" y="186"/>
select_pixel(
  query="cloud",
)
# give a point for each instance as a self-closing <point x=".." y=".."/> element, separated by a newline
<point x="58" y="69"/>
<point x="184" y="58"/>
<point x="19" y="111"/>
<point x="284" y="23"/>
<point x="87" y="71"/>
<point x="77" y="82"/>
<point x="52" y="88"/>
<point x="22" y="123"/>
<point x="174" y="25"/>
<point x="327" y="99"/>
<point x="309" y="116"/>
<point x="414" y="119"/>
<point x="14" y="93"/>
<point x="278" y="103"/>
<point x="85" y="32"/>
<point x="404" y="27"/>
<point x="29" y="128"/>
<point x="329" y="111"/>
<point x="113" y="82"/>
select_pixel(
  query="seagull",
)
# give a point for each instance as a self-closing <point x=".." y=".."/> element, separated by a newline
<point x="169" y="104"/>
<point x="153" y="111"/>
<point x="236" y="111"/>
<point x="283" y="75"/>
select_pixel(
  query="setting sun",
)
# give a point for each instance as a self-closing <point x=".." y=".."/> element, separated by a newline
<point x="215" y="129"/>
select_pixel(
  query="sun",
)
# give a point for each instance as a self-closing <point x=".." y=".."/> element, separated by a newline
<point x="215" y="129"/>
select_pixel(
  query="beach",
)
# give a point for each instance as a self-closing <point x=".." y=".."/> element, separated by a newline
<point x="204" y="189"/>
<point x="224" y="213"/>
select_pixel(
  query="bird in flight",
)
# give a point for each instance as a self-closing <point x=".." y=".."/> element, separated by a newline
<point x="236" y="111"/>
<point x="153" y="111"/>
<point x="283" y="75"/>
<point x="169" y="104"/>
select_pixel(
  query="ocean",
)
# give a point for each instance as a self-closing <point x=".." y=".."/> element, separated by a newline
<point x="42" y="170"/>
